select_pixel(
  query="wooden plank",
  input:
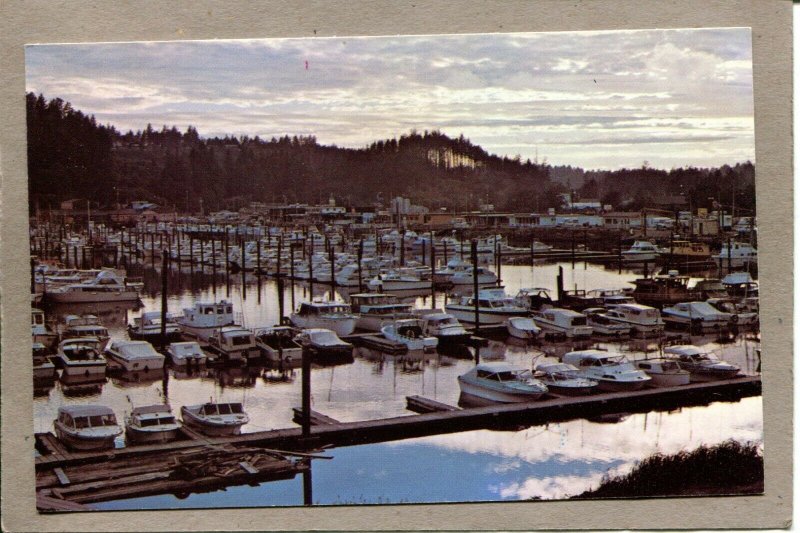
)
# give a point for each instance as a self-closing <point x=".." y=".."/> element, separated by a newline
<point x="48" y="504"/>
<point x="62" y="477"/>
<point x="317" y="418"/>
<point x="420" y="404"/>
<point x="247" y="467"/>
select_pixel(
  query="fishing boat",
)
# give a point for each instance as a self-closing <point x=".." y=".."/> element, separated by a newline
<point x="661" y="290"/>
<point x="494" y="307"/>
<point x="186" y="353"/>
<point x="375" y="310"/>
<point x="522" y="327"/>
<point x="215" y="419"/>
<point x="106" y="287"/>
<point x="501" y="382"/>
<point x="641" y="251"/>
<point x="444" y="327"/>
<point x="563" y="321"/>
<point x="409" y="332"/>
<point x="151" y="424"/>
<point x="736" y="255"/>
<point x="324" y="341"/>
<point x="148" y="327"/>
<point x="701" y="364"/>
<point x="205" y="319"/>
<point x="277" y="344"/>
<point x="234" y="344"/>
<point x="76" y="326"/>
<point x="612" y="371"/>
<point x="698" y="315"/>
<point x="603" y="325"/>
<point x="87" y="427"/>
<point x="562" y="378"/>
<point x="642" y="319"/>
<point x="135" y="355"/>
<point x="664" y="372"/>
<point x="82" y="357"/>
<point x="335" y="316"/>
<point x="40" y="331"/>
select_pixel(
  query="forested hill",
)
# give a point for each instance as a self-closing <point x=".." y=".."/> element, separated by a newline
<point x="71" y="156"/>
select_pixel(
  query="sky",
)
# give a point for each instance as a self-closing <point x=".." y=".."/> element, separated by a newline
<point x="599" y="100"/>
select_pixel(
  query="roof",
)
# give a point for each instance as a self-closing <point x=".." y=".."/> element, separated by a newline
<point x="498" y="366"/>
<point x="554" y="367"/>
<point x="683" y="349"/>
<point x="85" y="410"/>
<point x="150" y="409"/>
<point x="634" y="306"/>
<point x="590" y="354"/>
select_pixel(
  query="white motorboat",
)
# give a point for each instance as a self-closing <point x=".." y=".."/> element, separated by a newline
<point x="738" y="255"/>
<point x="135" y="355"/>
<point x="522" y="327"/>
<point x="106" y="287"/>
<point x="444" y="327"/>
<point x="324" y="341"/>
<point x="335" y="316"/>
<point x="612" y="297"/>
<point x="234" y="344"/>
<point x="744" y="316"/>
<point x="664" y="372"/>
<point x="187" y="353"/>
<point x="82" y="357"/>
<point x="466" y="276"/>
<point x="701" y="364"/>
<point x="534" y="298"/>
<point x="641" y="251"/>
<point x="563" y="321"/>
<point x="148" y="327"/>
<point x="151" y="424"/>
<point x="43" y="367"/>
<point x="398" y="281"/>
<point x="494" y="307"/>
<point x="697" y="315"/>
<point x="375" y="310"/>
<point x="501" y="382"/>
<point x="277" y="344"/>
<point x="612" y="371"/>
<point x="215" y="419"/>
<point x="602" y="325"/>
<point x="443" y="276"/>
<point x="562" y="378"/>
<point x="40" y="332"/>
<point x="642" y="319"/>
<point x="85" y="326"/>
<point x="409" y="332"/>
<point x="205" y="319"/>
<point x="87" y="427"/>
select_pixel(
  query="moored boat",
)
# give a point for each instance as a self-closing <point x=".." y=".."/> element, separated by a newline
<point x="82" y="357"/>
<point x="612" y="371"/>
<point x="522" y="328"/>
<point x="277" y="344"/>
<point x="135" y="355"/>
<point x="87" y="427"/>
<point x="186" y="353"/>
<point x="205" y="319"/>
<point x="324" y="341"/>
<point x="151" y="424"/>
<point x="701" y="364"/>
<point x="563" y="378"/>
<point x="148" y="327"/>
<point x="501" y="382"/>
<point x="563" y="322"/>
<point x="335" y="316"/>
<point x="664" y="372"/>
<point x="409" y="332"/>
<point x="215" y="419"/>
<point x="444" y="327"/>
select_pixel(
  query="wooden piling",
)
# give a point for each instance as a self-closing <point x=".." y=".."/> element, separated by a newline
<point x="474" y="253"/>
<point x="164" y="272"/>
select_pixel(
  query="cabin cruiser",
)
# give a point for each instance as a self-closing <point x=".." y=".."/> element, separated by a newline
<point x="664" y="290"/>
<point x="277" y="344"/>
<point x="746" y="317"/>
<point x="534" y="298"/>
<point x="710" y="288"/>
<point x="87" y="427"/>
<point x="188" y="353"/>
<point x="148" y="327"/>
<point x="602" y="325"/>
<point x="205" y="319"/>
<point x="563" y="321"/>
<point x="324" y="341"/>
<point x="234" y="343"/>
<point x="151" y="424"/>
<point x="701" y="364"/>
<point x="335" y="316"/>
<point x="494" y="307"/>
<point x="697" y="315"/>
<point x="215" y="419"/>
<point x="466" y="276"/>
<point x="82" y="357"/>
<point x="664" y="372"/>
<point x="106" y="287"/>
<point x="562" y="378"/>
<point x="40" y="332"/>
<point x="409" y="332"/>
<point x="453" y="266"/>
<point x="444" y="327"/>
<point x="611" y="297"/>
<point x="501" y="382"/>
<point x="738" y="255"/>
<point x="395" y="280"/>
<point x="641" y="251"/>
<point x="612" y="371"/>
<point x="522" y="327"/>
<point x="85" y="326"/>
<point x="375" y="310"/>
<point x="740" y="285"/>
<point x="578" y="300"/>
<point x="642" y="319"/>
<point x="43" y="368"/>
<point x="135" y="355"/>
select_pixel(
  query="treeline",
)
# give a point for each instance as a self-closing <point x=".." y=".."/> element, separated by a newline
<point x="71" y="156"/>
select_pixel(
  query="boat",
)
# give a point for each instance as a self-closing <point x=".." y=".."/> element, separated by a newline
<point x="205" y="319"/>
<point x="612" y="371"/>
<point x="697" y="315"/>
<point x="664" y="372"/>
<point x="740" y="285"/>
<point x="701" y="364"/>
<point x="444" y="327"/>
<point x="661" y="290"/>
<point x="87" y="427"/>
<point x="737" y="255"/>
<point x="563" y="321"/>
<point x="534" y="298"/>
<point x="687" y="252"/>
<point x="398" y="281"/>
<point x="40" y="331"/>
<point x="215" y="419"/>
<point x="187" y="353"/>
<point x="467" y="276"/>
<point x="335" y="316"/>
<point x="501" y="382"/>
<point x="578" y="300"/>
<point x="710" y="288"/>
<point x="82" y="357"/>
<point x="642" y="319"/>
<point x="408" y="331"/>
<point x="522" y="327"/>
<point x="375" y="310"/>
<point x="234" y="344"/>
<point x="641" y="251"/>
<point x="745" y="317"/>
<point x="106" y="287"/>
<point x="147" y="327"/>
<point x="324" y="341"/>
<point x="562" y="378"/>
<point x="151" y="424"/>
<point x="85" y="326"/>
<point x="277" y="344"/>
<point x="612" y="297"/>
<point x="135" y="355"/>
<point x="602" y="325"/>
<point x="43" y="367"/>
<point x="494" y="307"/>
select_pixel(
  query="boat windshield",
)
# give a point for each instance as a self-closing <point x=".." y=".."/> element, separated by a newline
<point x="95" y="421"/>
<point x="670" y="366"/>
<point x="240" y="340"/>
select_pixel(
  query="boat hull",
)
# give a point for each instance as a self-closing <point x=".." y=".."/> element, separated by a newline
<point x="467" y="314"/>
<point x="477" y="390"/>
<point x="93" y="369"/>
<point x="669" y="380"/>
<point x="139" y="364"/>
<point x="85" y="443"/>
<point x="89" y="296"/>
<point x="134" y="435"/>
<point x="341" y="326"/>
<point x="215" y="430"/>
<point x="563" y="390"/>
<point x="608" y="385"/>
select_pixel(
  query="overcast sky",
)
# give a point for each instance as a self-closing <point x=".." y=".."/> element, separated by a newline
<point x="592" y="99"/>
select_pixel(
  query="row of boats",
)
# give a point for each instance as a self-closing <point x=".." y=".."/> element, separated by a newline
<point x="732" y="255"/>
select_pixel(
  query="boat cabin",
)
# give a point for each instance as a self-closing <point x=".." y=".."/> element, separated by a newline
<point x="323" y="308"/>
<point x="86" y="416"/>
<point x="216" y="409"/>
